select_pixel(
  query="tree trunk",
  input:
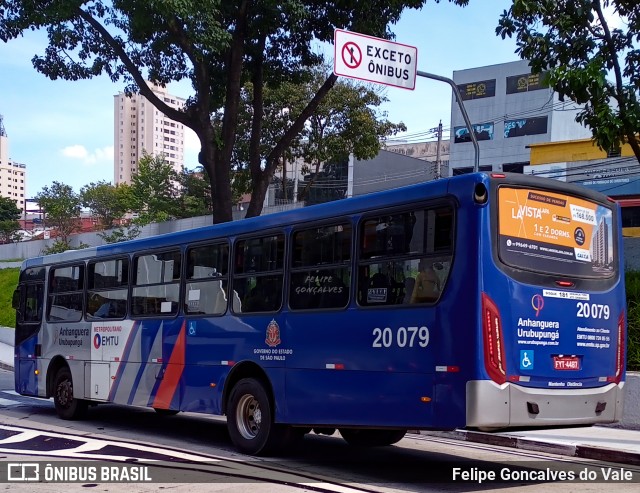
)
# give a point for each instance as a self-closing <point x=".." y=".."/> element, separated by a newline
<point x="260" y="186"/>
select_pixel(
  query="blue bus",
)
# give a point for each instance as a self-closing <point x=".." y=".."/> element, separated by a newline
<point x="484" y="300"/>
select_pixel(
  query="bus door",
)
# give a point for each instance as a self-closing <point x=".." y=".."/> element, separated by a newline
<point x="28" y="303"/>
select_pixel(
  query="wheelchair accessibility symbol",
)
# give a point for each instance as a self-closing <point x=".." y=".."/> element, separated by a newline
<point x="526" y="359"/>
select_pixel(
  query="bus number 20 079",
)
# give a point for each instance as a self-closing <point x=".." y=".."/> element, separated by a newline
<point x="402" y="337"/>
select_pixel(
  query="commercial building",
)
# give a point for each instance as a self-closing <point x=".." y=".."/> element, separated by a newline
<point x="509" y="108"/>
<point x="436" y="153"/>
<point x="13" y="176"/>
<point x="140" y="127"/>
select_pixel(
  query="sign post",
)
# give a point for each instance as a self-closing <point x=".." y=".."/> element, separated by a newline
<point x="363" y="57"/>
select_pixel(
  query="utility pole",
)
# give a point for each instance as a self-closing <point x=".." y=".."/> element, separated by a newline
<point x="438" y="151"/>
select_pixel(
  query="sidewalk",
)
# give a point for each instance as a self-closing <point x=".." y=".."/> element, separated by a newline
<point x="604" y="443"/>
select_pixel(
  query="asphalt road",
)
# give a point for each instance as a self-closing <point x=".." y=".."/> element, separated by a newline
<point x="193" y="453"/>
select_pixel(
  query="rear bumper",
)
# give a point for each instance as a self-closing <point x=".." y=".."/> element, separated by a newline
<point x="490" y="405"/>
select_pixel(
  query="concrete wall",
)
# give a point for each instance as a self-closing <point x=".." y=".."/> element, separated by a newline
<point x="34" y="248"/>
<point x="632" y="253"/>
<point x="389" y="170"/>
<point x="631" y="415"/>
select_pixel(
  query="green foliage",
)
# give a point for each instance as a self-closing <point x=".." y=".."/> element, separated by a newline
<point x="9" y="231"/>
<point x="107" y="202"/>
<point x="9" y="225"/>
<point x="62" y="209"/>
<point x="60" y="246"/>
<point x="121" y="233"/>
<point x="153" y="190"/>
<point x="632" y="280"/>
<point x="8" y="210"/>
<point x="194" y="196"/>
<point x="217" y="45"/>
<point x="8" y="283"/>
<point x="346" y="122"/>
<point x="589" y="61"/>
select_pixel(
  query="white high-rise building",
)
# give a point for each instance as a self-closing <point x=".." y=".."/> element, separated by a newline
<point x="13" y="176"/>
<point x="140" y="127"/>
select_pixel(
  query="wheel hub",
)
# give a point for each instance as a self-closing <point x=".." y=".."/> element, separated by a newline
<point x="248" y="417"/>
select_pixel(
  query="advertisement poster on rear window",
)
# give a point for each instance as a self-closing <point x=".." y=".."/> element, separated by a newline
<point x="555" y="233"/>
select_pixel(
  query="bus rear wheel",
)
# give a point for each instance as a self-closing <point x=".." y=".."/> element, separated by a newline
<point x="250" y="420"/>
<point x="371" y="438"/>
<point x="67" y="406"/>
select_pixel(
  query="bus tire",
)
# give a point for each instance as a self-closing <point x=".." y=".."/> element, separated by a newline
<point x="250" y="420"/>
<point x="67" y="406"/>
<point x="371" y="438"/>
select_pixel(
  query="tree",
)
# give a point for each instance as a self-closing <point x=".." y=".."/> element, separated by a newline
<point x="589" y="61"/>
<point x="346" y="122"/>
<point x="8" y="209"/>
<point x="107" y="202"/>
<point x="154" y="190"/>
<point x="62" y="208"/>
<point x="9" y="215"/>
<point x="217" y="45"/>
<point x="194" y="198"/>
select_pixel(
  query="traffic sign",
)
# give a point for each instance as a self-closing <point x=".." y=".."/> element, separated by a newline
<point x="374" y="59"/>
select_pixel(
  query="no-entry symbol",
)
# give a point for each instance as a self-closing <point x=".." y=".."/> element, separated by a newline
<point x="351" y="55"/>
<point x="374" y="59"/>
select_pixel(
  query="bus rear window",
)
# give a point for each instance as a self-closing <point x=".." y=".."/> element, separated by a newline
<point x="555" y="233"/>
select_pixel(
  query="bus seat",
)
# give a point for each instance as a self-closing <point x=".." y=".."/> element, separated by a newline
<point x="409" y="284"/>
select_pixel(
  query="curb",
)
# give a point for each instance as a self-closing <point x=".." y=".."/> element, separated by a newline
<point x="5" y="366"/>
<point x="602" y="454"/>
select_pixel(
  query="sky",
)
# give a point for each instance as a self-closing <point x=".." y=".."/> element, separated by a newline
<point x="63" y="130"/>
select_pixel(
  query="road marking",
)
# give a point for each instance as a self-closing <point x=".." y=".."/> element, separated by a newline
<point x="90" y="445"/>
<point x="8" y="402"/>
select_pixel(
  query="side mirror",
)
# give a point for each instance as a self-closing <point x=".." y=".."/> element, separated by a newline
<point x="15" y="302"/>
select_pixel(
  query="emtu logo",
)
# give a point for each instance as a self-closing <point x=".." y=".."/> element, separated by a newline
<point x="97" y="341"/>
<point x="537" y="302"/>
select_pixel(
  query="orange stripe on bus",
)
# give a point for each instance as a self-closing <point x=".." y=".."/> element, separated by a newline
<point x="172" y="373"/>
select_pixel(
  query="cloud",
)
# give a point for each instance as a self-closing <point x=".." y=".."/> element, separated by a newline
<point x="81" y="153"/>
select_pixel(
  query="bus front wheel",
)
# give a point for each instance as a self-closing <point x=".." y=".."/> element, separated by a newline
<point x="250" y="420"/>
<point x="372" y="438"/>
<point x="67" y="406"/>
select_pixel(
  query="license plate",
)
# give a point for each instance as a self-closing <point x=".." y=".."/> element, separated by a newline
<point x="566" y="363"/>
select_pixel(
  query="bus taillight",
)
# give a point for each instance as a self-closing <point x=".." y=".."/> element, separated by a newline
<point x="494" y="360"/>
<point x="620" y="351"/>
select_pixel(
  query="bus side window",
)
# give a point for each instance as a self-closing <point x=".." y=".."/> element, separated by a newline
<point x="320" y="265"/>
<point x="207" y="280"/>
<point x="156" y="285"/>
<point x="33" y="302"/>
<point x="411" y="258"/>
<point x="107" y="288"/>
<point x="65" y="293"/>
<point x="258" y="279"/>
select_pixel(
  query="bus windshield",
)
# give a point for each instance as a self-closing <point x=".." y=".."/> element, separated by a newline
<point x="555" y="233"/>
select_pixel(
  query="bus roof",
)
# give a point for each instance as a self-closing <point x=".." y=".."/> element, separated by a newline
<point x="354" y="205"/>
